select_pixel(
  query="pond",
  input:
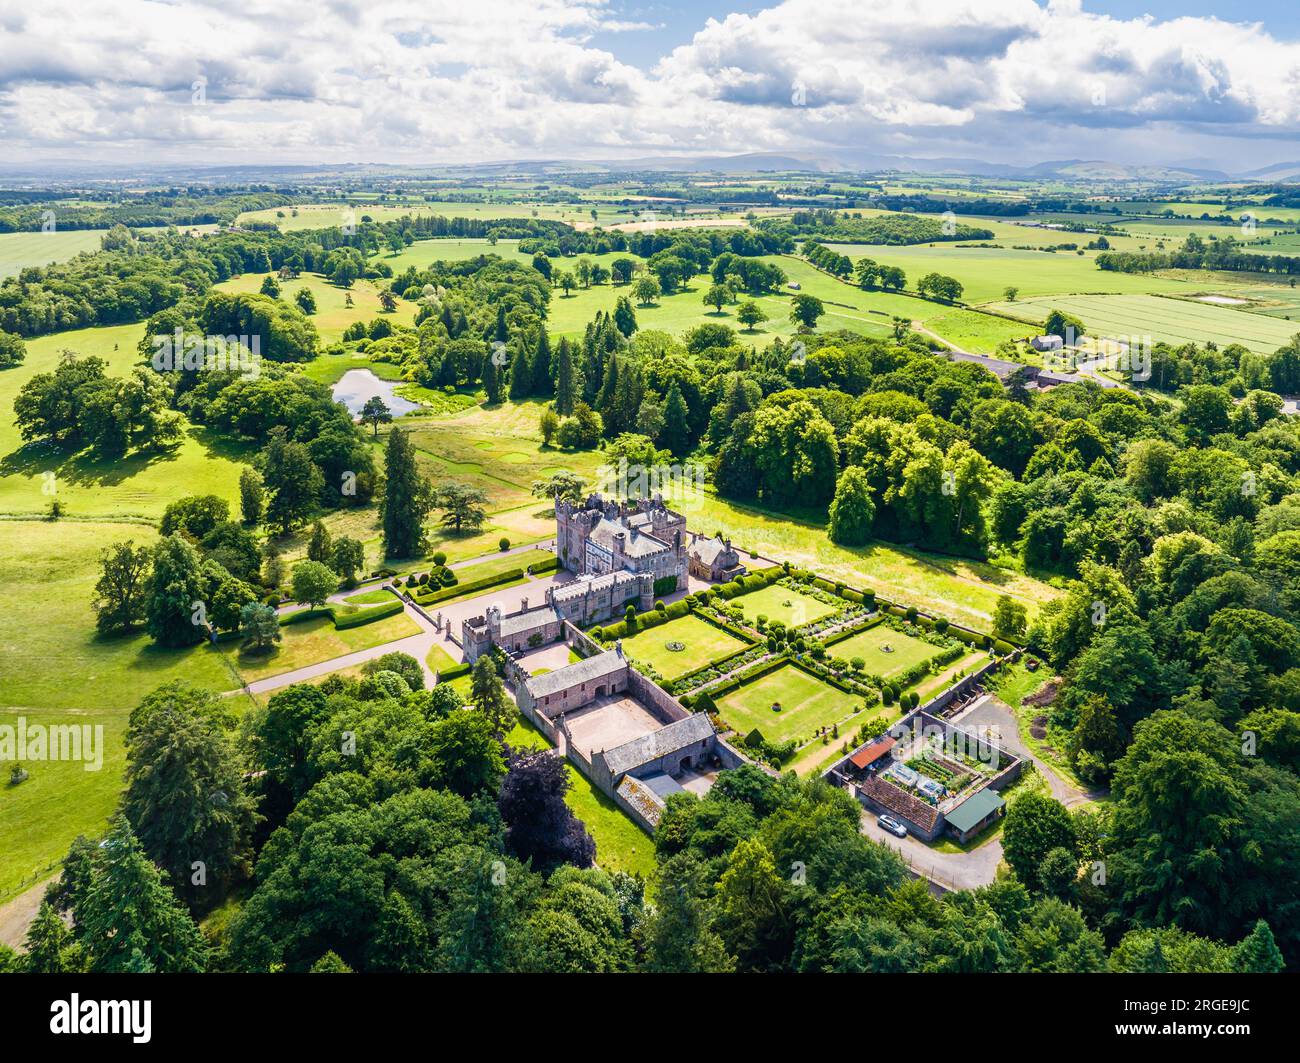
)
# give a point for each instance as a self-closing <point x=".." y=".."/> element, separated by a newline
<point x="358" y="385"/>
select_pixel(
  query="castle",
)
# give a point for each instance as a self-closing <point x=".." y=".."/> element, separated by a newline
<point x="600" y="537"/>
<point x="624" y="554"/>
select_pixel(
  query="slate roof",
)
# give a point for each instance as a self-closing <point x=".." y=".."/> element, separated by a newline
<point x="519" y="623"/>
<point x="650" y="747"/>
<point x="601" y="666"/>
<point x="641" y="544"/>
<point x="901" y="803"/>
<point x="579" y="587"/>
<point x="642" y="798"/>
<point x="663" y="784"/>
<point x="974" y="809"/>
<point x="705" y="550"/>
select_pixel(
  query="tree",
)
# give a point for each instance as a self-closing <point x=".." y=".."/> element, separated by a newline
<point x="806" y="309"/>
<point x="270" y="287"/>
<point x="1009" y="617"/>
<point x="676" y="433"/>
<point x="173" y="616"/>
<point x="121" y="597"/>
<point x="347" y="558"/>
<point x="259" y="626"/>
<point x="129" y="921"/>
<point x="293" y="479"/>
<point x="1258" y="952"/>
<point x="463" y="508"/>
<point x="194" y="516"/>
<point x="313" y="582"/>
<point x="50" y="945"/>
<point x="319" y="546"/>
<point x="750" y="314"/>
<point x="491" y="381"/>
<point x="402" y="663"/>
<point x="1009" y="293"/>
<point x="252" y="497"/>
<point x="374" y="413"/>
<point x="1035" y="825"/>
<point x="408" y="498"/>
<point x="186" y="797"/>
<point x="646" y="291"/>
<point x="625" y="316"/>
<point x="12" y="350"/>
<point x="566" y="383"/>
<point x="853" y="510"/>
<point x="679" y="937"/>
<point x="548" y="425"/>
<point x="488" y="693"/>
<point x="716" y="296"/>
<point x="564" y="484"/>
<point x="540" y="826"/>
<point x="306" y="300"/>
<point x="1067" y="326"/>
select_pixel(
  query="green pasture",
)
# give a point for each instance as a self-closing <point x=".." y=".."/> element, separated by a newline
<point x="806" y="704"/>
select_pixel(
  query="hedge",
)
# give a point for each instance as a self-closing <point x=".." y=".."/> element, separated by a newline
<point x="665" y="585"/>
<point x="468" y="588"/>
<point x="367" y="616"/>
<point x="454" y="672"/>
<point x="549" y="565"/>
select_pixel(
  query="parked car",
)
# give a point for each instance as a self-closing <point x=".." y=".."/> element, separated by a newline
<point x="892" y="825"/>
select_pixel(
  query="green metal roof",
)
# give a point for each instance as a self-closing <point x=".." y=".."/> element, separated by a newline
<point x="974" y="809"/>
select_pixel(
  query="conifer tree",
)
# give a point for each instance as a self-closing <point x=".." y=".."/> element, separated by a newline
<point x="408" y="498"/>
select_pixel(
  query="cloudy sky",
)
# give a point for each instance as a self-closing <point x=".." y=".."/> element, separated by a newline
<point x="440" y="81"/>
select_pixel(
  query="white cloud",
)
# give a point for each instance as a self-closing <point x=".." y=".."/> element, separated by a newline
<point x="443" y="81"/>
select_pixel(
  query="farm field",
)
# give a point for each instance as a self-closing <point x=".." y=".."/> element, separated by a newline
<point x="325" y="215"/>
<point x="1171" y="320"/>
<point x="904" y="651"/>
<point x="986" y="272"/>
<point x="20" y="250"/>
<point x="703" y="642"/>
<point x="782" y="605"/>
<point x="806" y="704"/>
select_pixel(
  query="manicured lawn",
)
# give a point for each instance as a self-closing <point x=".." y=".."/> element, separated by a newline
<point x="312" y="641"/>
<point x="806" y="704"/>
<point x="703" y="642"/>
<point x="780" y="604"/>
<point x="620" y="844"/>
<point x="870" y="646"/>
<point x="56" y="669"/>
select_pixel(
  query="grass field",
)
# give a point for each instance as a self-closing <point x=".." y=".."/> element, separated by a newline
<point x="986" y="272"/>
<point x="870" y="646"/>
<point x="703" y="642"/>
<point x="806" y="704"/>
<point x="58" y="670"/>
<point x="317" y="640"/>
<point x="780" y="604"/>
<point x="1171" y="320"/>
<point x="20" y="250"/>
<point x="333" y="315"/>
<point x="137" y="486"/>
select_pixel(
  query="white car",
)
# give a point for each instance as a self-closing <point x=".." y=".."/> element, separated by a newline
<point x="892" y="825"/>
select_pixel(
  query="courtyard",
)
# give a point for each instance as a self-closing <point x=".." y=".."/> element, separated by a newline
<point x="609" y="722"/>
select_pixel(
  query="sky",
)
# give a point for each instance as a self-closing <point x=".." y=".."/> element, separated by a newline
<point x="209" y="82"/>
